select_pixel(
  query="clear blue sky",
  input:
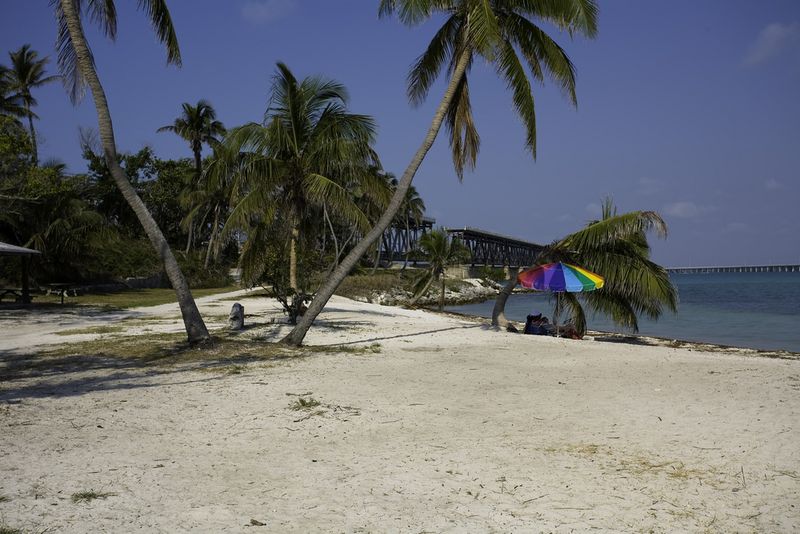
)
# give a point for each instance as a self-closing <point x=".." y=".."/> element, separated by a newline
<point x="688" y="108"/>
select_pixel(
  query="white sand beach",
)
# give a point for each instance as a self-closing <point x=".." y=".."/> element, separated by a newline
<point x="445" y="425"/>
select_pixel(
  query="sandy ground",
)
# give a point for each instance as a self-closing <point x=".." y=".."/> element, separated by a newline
<point x="450" y="427"/>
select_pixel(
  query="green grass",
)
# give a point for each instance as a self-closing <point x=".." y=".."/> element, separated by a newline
<point x="304" y="404"/>
<point x="88" y="496"/>
<point x="103" y="329"/>
<point x="130" y="298"/>
<point x="8" y="530"/>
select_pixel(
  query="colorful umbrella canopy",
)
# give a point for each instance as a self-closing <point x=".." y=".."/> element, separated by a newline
<point x="559" y="277"/>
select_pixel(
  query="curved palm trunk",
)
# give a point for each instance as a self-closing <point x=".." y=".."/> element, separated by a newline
<point x="195" y="327"/>
<point x="414" y="300"/>
<point x="324" y="294"/>
<point x="499" y="310"/>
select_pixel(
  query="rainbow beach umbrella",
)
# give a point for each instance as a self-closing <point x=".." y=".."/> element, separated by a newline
<point x="560" y="277"/>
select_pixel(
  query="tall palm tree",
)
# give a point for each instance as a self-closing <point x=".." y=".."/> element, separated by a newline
<point x="77" y="66"/>
<point x="27" y="73"/>
<point x="198" y="125"/>
<point x="440" y="252"/>
<point x="295" y="160"/>
<point x="502" y="33"/>
<point x="615" y="247"/>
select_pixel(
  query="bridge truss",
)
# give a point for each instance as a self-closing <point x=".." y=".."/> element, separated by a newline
<point x="496" y="250"/>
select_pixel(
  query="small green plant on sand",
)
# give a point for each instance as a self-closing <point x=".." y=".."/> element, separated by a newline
<point x="305" y="404"/>
<point x="87" y="496"/>
<point x="8" y="530"/>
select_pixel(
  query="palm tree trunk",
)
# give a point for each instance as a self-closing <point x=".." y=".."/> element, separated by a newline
<point x="499" y="311"/>
<point x="190" y="238"/>
<point x="33" y="136"/>
<point x="212" y="241"/>
<point x="407" y="245"/>
<point x="195" y="327"/>
<point x="324" y="294"/>
<point x="333" y="236"/>
<point x="198" y="165"/>
<point x="441" y="297"/>
<point x="293" y="257"/>
<point x="419" y="295"/>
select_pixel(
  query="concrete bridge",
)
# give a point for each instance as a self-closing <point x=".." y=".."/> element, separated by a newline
<point x="782" y="268"/>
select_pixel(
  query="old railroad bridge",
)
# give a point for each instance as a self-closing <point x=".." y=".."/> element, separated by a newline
<point x="400" y="242"/>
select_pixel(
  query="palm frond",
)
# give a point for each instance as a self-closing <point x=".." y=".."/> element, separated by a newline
<point x="160" y="19"/>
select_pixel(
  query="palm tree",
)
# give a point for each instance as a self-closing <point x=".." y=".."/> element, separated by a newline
<point x="298" y="158"/>
<point x="77" y="66"/>
<point x="412" y="209"/>
<point x="498" y="31"/>
<point x="26" y="73"/>
<point x="615" y="247"/>
<point x="11" y="104"/>
<point x="440" y="251"/>
<point x="198" y="125"/>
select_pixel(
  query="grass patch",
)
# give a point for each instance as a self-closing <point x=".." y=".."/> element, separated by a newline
<point x="8" y="530"/>
<point x="373" y="348"/>
<point x="88" y="496"/>
<point x="4" y="498"/>
<point x="103" y="329"/>
<point x="383" y="281"/>
<point x="304" y="404"/>
<point x="131" y="298"/>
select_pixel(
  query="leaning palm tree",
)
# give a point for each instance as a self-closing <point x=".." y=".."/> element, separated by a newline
<point x="615" y="247"/>
<point x="77" y="67"/>
<point x="440" y="251"/>
<point x="198" y="125"/>
<point x="27" y="73"/>
<point x="504" y="34"/>
<point x="296" y="160"/>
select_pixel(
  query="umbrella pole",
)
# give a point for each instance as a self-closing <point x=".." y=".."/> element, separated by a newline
<point x="557" y="311"/>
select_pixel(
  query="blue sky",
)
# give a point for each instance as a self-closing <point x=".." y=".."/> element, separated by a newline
<point x="687" y="108"/>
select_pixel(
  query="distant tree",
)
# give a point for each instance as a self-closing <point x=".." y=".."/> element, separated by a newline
<point x="27" y="72"/>
<point x="198" y="125"/>
<point x="294" y="162"/>
<point x="500" y="32"/>
<point x="440" y="251"/>
<point x="78" y="69"/>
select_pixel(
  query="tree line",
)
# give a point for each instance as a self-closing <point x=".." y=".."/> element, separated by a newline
<point x="307" y="178"/>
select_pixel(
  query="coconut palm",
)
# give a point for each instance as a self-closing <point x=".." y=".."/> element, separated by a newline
<point x="615" y="247"/>
<point x="504" y="34"/>
<point x="411" y="210"/>
<point x="198" y="125"/>
<point x="11" y="104"/>
<point x="440" y="252"/>
<point x="27" y="73"/>
<point x="77" y="67"/>
<point x="300" y="158"/>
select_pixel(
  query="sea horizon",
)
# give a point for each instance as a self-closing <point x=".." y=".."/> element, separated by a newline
<point x="756" y="310"/>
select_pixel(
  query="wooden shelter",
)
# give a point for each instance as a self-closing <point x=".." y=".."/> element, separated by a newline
<point x="25" y="253"/>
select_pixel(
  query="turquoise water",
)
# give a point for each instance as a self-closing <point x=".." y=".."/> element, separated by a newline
<point x="755" y="310"/>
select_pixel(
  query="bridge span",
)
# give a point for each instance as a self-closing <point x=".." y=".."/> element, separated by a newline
<point x="782" y="268"/>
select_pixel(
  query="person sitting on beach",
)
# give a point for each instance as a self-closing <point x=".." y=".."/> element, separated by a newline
<point x="537" y="324"/>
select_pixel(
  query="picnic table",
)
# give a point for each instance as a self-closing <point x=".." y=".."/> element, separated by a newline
<point x="14" y="292"/>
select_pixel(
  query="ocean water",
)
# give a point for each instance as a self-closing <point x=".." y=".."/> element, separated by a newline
<point x="754" y="310"/>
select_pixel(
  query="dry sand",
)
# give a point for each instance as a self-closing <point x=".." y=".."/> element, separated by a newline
<point x="450" y="427"/>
